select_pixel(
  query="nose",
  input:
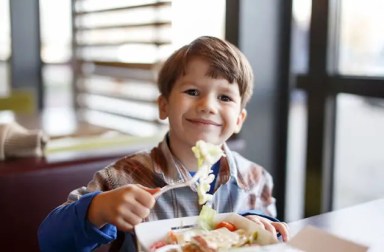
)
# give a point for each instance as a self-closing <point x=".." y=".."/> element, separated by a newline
<point x="207" y="104"/>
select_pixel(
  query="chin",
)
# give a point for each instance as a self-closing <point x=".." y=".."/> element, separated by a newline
<point x="210" y="140"/>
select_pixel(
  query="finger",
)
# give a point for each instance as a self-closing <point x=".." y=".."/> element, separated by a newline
<point x="268" y="226"/>
<point x="123" y="225"/>
<point x="145" y="195"/>
<point x="130" y="220"/>
<point x="138" y="209"/>
<point x="254" y="218"/>
<point x="282" y="228"/>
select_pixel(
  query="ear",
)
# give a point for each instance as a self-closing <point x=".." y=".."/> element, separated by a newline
<point x="163" y="107"/>
<point x="240" y="120"/>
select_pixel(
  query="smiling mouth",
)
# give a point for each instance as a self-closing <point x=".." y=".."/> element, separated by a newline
<point x="203" y="122"/>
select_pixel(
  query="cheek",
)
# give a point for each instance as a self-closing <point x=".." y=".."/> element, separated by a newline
<point x="182" y="105"/>
<point x="233" y="117"/>
<point x="234" y="121"/>
<point x="176" y="112"/>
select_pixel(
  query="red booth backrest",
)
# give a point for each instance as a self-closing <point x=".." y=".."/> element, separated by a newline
<point x="27" y="197"/>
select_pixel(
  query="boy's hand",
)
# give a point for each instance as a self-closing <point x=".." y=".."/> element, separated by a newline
<point x="271" y="226"/>
<point x="123" y="207"/>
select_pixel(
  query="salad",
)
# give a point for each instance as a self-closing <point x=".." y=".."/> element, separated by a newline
<point x="211" y="234"/>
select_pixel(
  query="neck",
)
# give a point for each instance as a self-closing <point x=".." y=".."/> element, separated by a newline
<point x="183" y="153"/>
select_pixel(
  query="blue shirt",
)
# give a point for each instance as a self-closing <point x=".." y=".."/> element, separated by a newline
<point x="76" y="232"/>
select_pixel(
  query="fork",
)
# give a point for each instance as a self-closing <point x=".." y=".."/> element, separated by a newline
<point x="190" y="182"/>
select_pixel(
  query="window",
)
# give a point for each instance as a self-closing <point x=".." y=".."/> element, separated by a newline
<point x="359" y="143"/>
<point x="56" y="52"/>
<point x="361" y="38"/>
<point x="5" y="47"/>
<point x="344" y="90"/>
<point x="359" y="138"/>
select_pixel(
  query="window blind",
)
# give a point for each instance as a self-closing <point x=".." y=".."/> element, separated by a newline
<point x="117" y="46"/>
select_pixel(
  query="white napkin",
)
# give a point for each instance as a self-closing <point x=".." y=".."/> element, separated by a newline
<point x="17" y="142"/>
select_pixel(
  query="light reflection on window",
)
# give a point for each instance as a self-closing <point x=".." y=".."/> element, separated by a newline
<point x="5" y="47"/>
<point x="362" y="37"/>
<point x="118" y="35"/>
<point x="92" y="5"/>
<point x="190" y="20"/>
<point x="5" y="35"/>
<point x="122" y="124"/>
<point x="55" y="18"/>
<point x="134" y="109"/>
<point x="56" y="26"/>
<point x="359" y="157"/>
<point x="301" y="11"/>
<point x="301" y="17"/>
<point x="121" y="17"/>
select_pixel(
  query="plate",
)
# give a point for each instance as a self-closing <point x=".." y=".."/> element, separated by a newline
<point x="148" y="233"/>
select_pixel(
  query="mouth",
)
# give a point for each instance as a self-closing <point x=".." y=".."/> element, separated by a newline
<point x="203" y="122"/>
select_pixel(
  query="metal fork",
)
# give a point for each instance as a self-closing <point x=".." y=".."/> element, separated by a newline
<point x="190" y="182"/>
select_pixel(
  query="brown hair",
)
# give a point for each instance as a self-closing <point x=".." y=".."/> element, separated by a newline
<point x="225" y="61"/>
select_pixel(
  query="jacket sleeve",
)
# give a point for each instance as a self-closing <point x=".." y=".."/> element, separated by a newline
<point x="66" y="228"/>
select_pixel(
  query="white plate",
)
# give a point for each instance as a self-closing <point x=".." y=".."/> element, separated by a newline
<point x="148" y="233"/>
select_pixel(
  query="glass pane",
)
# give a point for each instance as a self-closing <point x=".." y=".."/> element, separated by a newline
<point x="56" y="37"/>
<point x="134" y="53"/>
<point x="5" y="47"/>
<point x="124" y="17"/>
<point x="56" y="51"/>
<point x="362" y="37"/>
<point x="359" y="160"/>
<point x="58" y="90"/>
<point x="93" y="5"/>
<point x="4" y="79"/>
<point x="301" y="17"/>
<point x="186" y="26"/>
<point x="5" y="35"/>
<point x="296" y="155"/>
<point x="121" y="35"/>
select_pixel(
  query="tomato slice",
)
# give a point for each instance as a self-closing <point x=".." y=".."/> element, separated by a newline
<point x="171" y="237"/>
<point x="227" y="225"/>
<point x="157" y="245"/>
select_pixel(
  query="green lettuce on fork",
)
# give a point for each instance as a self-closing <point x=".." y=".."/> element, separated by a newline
<point x="207" y="154"/>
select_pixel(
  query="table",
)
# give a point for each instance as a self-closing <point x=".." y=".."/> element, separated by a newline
<point x="363" y="223"/>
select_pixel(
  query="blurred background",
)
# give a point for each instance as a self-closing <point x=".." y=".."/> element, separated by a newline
<point x="79" y="68"/>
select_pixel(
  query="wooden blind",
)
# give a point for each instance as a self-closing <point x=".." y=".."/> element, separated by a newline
<point x="116" y="48"/>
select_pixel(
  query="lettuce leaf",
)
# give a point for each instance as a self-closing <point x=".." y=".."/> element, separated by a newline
<point x="206" y="218"/>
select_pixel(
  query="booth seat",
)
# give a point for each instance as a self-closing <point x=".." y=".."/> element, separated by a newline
<point x="27" y="197"/>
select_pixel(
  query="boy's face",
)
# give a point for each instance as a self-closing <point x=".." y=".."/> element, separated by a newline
<point x="202" y="108"/>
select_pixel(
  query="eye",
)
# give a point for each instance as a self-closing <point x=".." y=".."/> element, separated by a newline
<point x="225" y="98"/>
<point x="192" y="92"/>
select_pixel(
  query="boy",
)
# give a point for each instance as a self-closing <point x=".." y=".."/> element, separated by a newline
<point x="204" y="87"/>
